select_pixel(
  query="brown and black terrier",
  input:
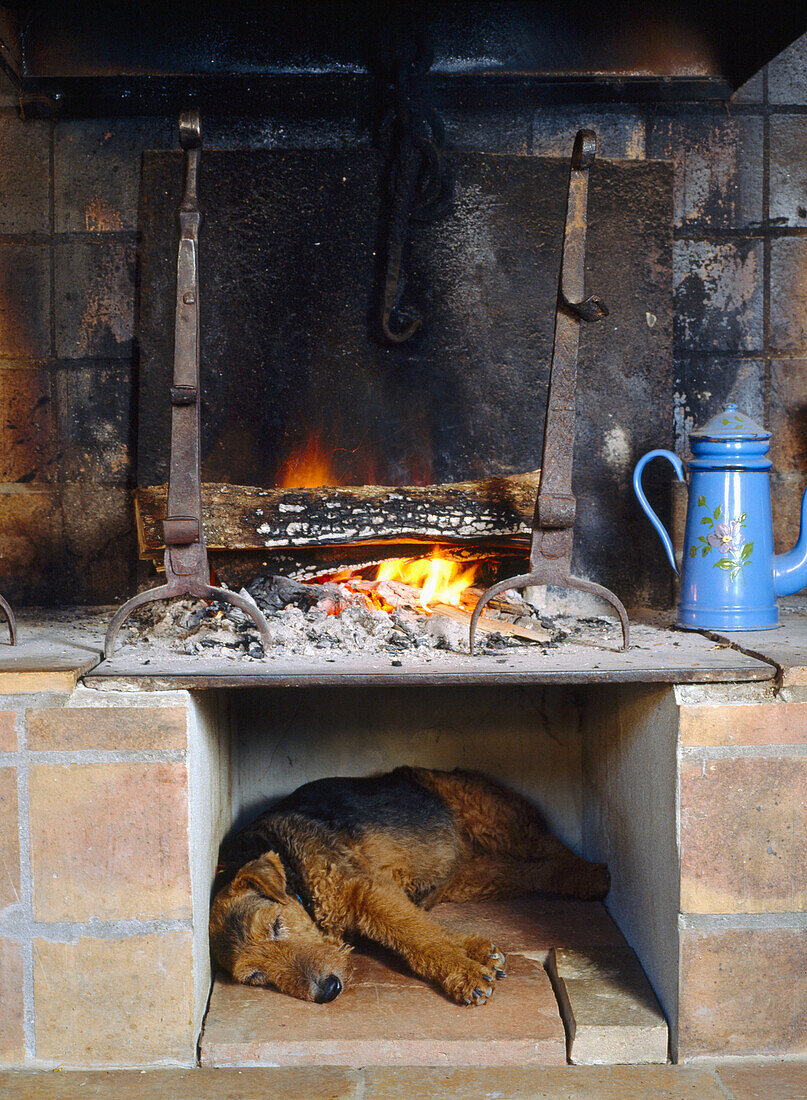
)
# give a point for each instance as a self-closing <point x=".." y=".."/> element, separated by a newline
<point x="366" y="857"/>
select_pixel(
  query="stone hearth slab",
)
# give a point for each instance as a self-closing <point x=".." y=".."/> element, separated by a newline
<point x="53" y="651"/>
<point x="657" y="654"/>
<point x="389" y="1017"/>
<point x="785" y="647"/>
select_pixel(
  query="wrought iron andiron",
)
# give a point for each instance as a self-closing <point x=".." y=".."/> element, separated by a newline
<point x="187" y="570"/>
<point x="5" y="610"/>
<point x="555" y="506"/>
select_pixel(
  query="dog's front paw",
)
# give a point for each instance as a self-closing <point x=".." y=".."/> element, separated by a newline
<point x="487" y="953"/>
<point x="470" y="982"/>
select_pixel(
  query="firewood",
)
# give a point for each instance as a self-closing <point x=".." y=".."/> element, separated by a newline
<point x="239" y="517"/>
<point x="400" y="594"/>
<point x="487" y="624"/>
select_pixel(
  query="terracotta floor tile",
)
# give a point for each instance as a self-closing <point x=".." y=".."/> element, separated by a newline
<point x="534" y="1083"/>
<point x="534" y="922"/>
<point x="303" y="1083"/>
<point x="390" y="1083"/>
<point x="766" y="1081"/>
<point x="390" y="1017"/>
<point x="373" y="1024"/>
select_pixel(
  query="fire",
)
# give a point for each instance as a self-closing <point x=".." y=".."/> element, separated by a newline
<point x="309" y="466"/>
<point x="441" y="581"/>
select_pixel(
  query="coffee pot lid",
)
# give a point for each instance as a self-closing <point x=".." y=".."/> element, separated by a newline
<point x="730" y="424"/>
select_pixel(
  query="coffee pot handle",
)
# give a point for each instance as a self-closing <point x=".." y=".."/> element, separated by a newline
<point x="639" y="491"/>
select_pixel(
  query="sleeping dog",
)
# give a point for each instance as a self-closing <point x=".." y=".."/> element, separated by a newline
<point x="369" y="857"/>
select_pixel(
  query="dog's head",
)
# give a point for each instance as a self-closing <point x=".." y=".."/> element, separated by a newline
<point x="263" y="936"/>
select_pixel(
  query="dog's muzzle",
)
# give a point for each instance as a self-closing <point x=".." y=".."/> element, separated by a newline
<point x="327" y="989"/>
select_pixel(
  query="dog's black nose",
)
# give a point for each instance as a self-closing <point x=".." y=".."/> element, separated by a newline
<point x="327" y="989"/>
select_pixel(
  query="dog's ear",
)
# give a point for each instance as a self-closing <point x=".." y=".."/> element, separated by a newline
<point x="266" y="875"/>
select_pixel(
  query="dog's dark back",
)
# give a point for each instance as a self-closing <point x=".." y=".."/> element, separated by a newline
<point x="392" y="802"/>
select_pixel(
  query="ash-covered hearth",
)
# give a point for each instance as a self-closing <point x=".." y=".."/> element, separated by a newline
<point x="349" y="617"/>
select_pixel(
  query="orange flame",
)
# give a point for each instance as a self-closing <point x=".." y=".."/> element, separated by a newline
<point x="309" y="466"/>
<point x="440" y="580"/>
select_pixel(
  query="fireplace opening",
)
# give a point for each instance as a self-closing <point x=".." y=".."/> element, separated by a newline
<point x="372" y="416"/>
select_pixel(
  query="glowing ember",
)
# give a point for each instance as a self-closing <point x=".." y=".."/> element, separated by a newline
<point x="440" y="580"/>
<point x="309" y="466"/>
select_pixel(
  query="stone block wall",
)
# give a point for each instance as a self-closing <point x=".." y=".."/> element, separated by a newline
<point x="695" y="797"/>
<point x="743" y="858"/>
<point x="68" y="341"/>
<point x="111" y="813"/>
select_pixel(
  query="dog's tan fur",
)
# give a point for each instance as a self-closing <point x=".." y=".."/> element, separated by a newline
<point x="489" y="843"/>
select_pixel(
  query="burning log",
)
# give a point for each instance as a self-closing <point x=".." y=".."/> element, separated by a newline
<point x="397" y="594"/>
<point x="246" y="518"/>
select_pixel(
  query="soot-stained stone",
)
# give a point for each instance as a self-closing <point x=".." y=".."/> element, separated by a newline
<point x="789" y="293"/>
<point x="95" y="422"/>
<point x="718" y="166"/>
<point x="24" y="176"/>
<point x="718" y="295"/>
<point x="99" y="553"/>
<point x="31" y="542"/>
<point x="705" y="384"/>
<point x="788" y="177"/>
<point x="273" y="132"/>
<point x="24" y="301"/>
<point x="97" y="171"/>
<point x="488" y="131"/>
<point x="753" y="91"/>
<point x="620" y="132"/>
<point x="290" y="255"/>
<point x="95" y="299"/>
<point x="787" y="74"/>
<point x="788" y="415"/>
<point x="27" y="436"/>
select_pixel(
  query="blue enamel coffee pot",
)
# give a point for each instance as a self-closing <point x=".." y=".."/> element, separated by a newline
<point x="730" y="576"/>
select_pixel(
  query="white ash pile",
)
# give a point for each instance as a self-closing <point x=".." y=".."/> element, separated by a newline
<point x="319" y="619"/>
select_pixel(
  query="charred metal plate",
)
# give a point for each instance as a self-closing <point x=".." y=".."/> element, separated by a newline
<point x="290" y="254"/>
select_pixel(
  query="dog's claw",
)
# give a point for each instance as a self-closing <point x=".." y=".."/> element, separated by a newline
<point x="498" y="961"/>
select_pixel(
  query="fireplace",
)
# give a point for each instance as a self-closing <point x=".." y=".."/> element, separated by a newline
<point x="663" y="759"/>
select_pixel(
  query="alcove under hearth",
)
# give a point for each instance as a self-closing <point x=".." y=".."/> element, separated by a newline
<point x="598" y="760"/>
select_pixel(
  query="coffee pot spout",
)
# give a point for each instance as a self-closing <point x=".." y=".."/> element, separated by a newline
<point x="790" y="569"/>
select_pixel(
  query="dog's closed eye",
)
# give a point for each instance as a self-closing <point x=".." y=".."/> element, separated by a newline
<point x="269" y="924"/>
